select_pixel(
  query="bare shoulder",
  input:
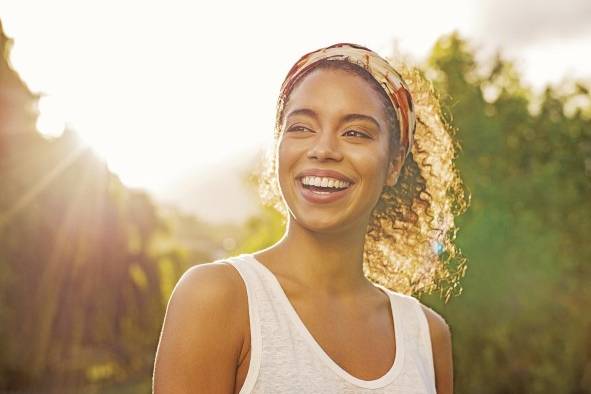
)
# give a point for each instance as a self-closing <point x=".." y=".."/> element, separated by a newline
<point x="216" y="279"/>
<point x="214" y="287"/>
<point x="202" y="334"/>
<point x="438" y="327"/>
<point x="441" y="344"/>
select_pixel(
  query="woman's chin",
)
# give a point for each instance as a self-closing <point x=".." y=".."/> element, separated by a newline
<point x="329" y="217"/>
<point x="322" y="221"/>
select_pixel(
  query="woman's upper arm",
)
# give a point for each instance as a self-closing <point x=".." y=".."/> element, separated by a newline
<point x="201" y="340"/>
<point x="440" y="334"/>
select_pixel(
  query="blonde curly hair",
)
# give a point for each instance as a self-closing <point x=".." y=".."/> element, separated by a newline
<point x="409" y="246"/>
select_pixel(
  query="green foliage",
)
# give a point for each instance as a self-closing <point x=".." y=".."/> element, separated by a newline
<point x="262" y="231"/>
<point x="520" y="324"/>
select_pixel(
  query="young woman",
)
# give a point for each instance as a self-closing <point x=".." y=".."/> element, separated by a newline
<point x="366" y="181"/>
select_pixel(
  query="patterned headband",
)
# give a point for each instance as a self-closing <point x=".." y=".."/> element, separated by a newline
<point x="378" y="67"/>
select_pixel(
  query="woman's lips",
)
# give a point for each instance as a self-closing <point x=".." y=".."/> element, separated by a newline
<point x="321" y="198"/>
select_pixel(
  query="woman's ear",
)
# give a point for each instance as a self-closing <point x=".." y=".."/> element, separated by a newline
<point x="394" y="170"/>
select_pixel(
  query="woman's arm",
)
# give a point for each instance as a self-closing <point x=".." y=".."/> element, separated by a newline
<point x="201" y="339"/>
<point x="442" y="351"/>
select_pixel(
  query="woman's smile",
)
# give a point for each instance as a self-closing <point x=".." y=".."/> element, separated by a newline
<point x="321" y="194"/>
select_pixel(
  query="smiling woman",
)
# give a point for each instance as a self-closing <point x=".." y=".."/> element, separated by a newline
<point x="363" y="171"/>
<point x="412" y="225"/>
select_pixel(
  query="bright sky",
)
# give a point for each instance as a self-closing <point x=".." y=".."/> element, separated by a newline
<point x="161" y="88"/>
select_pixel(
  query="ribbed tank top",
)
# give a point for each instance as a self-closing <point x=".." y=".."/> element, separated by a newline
<point x="285" y="357"/>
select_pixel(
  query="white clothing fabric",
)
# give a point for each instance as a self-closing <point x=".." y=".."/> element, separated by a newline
<point x="285" y="357"/>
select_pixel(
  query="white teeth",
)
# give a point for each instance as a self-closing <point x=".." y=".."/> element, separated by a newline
<point x="324" y="182"/>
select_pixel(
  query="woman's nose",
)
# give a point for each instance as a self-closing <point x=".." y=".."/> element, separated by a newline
<point x="325" y="147"/>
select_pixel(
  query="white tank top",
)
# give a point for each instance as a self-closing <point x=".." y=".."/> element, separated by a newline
<point x="285" y="357"/>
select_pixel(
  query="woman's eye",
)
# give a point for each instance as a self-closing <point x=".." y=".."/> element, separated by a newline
<point x="353" y="133"/>
<point x="297" y="128"/>
<point x="357" y="133"/>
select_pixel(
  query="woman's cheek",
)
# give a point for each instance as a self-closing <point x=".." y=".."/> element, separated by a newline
<point x="286" y="160"/>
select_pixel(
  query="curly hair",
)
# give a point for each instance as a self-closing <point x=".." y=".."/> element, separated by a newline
<point x="409" y="245"/>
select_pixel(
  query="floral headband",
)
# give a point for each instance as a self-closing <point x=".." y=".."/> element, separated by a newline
<point x="378" y="67"/>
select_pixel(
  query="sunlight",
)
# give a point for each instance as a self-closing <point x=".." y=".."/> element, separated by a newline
<point x="149" y="100"/>
<point x="40" y="185"/>
<point x="51" y="121"/>
<point x="157" y="101"/>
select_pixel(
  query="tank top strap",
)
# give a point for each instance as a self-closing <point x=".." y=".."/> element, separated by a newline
<point x="425" y="348"/>
<point x="272" y="316"/>
<point x="256" y="296"/>
<point x="416" y="333"/>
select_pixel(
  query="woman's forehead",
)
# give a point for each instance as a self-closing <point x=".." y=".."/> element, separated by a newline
<point x="333" y="89"/>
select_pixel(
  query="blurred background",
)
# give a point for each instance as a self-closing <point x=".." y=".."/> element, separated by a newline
<point x="129" y="132"/>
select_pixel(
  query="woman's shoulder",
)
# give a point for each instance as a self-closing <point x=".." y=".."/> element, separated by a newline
<point x="441" y="343"/>
<point x="437" y="324"/>
<point x="438" y="327"/>
<point x="211" y="294"/>
<point x="203" y="332"/>
<point x="215" y="283"/>
<point x="441" y="348"/>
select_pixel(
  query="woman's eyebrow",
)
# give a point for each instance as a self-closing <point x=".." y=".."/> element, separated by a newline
<point x="303" y="111"/>
<point x="350" y="117"/>
<point x="347" y="118"/>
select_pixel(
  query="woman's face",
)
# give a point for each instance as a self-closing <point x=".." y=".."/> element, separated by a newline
<point x="334" y="121"/>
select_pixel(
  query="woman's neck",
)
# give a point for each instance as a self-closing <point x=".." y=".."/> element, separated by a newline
<point x="331" y="263"/>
